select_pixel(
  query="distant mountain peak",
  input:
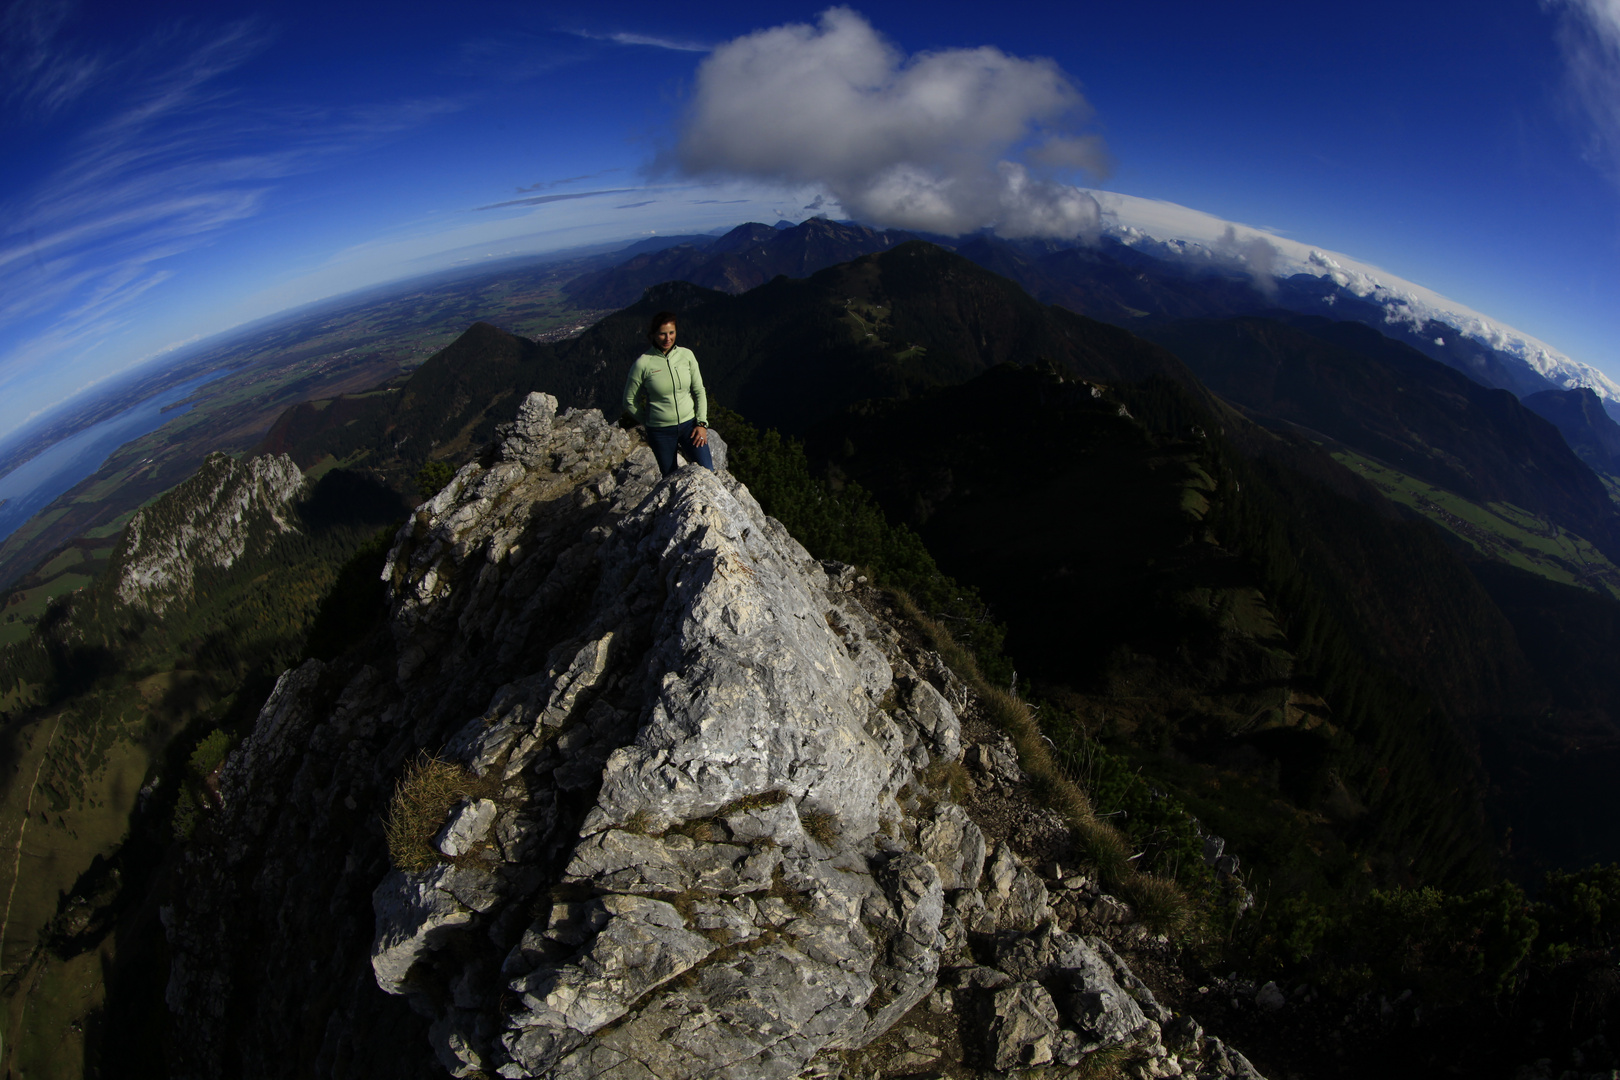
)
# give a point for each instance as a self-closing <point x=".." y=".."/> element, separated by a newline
<point x="744" y="258"/>
<point x="1178" y="232"/>
<point x="208" y="521"/>
<point x="1585" y="423"/>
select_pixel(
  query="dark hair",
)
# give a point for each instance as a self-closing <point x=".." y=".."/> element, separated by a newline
<point x="659" y="320"/>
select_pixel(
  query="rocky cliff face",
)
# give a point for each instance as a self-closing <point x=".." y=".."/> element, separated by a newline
<point x="207" y="521"/>
<point x="701" y="829"/>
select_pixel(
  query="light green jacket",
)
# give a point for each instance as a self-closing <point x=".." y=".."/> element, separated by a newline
<point x="672" y="386"/>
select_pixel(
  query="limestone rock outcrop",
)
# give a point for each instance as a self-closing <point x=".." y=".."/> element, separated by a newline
<point x="701" y="834"/>
<point x="208" y="521"/>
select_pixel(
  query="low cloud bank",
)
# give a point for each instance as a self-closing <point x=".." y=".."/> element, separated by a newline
<point x="1253" y="253"/>
<point x="946" y="142"/>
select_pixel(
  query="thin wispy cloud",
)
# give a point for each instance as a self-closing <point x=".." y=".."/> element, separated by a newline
<point x="1588" y="36"/>
<point x="547" y="185"/>
<point x="174" y="158"/>
<point x="650" y="41"/>
<point x="948" y="141"/>
<point x="515" y="56"/>
<point x="40" y="72"/>
<point x="541" y="200"/>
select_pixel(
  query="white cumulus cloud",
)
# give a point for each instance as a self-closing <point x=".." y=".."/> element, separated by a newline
<point x="948" y="141"/>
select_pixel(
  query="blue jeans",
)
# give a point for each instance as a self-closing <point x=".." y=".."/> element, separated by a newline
<point x="666" y="440"/>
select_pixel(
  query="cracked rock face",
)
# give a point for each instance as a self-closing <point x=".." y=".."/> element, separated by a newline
<point x="728" y="903"/>
<point x="207" y="521"/>
<point x="695" y="848"/>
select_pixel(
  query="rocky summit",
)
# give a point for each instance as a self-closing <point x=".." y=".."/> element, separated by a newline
<point x="691" y="819"/>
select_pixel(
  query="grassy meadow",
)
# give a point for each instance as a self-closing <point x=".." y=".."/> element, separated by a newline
<point x="1500" y="530"/>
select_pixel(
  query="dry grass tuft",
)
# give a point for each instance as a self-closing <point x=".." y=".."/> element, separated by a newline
<point x="1101" y="842"/>
<point x="708" y="830"/>
<point x="1158" y="902"/>
<point x="796" y="901"/>
<point x="423" y="799"/>
<point x="957" y="658"/>
<point x="703" y="830"/>
<point x="752" y="802"/>
<point x="1106" y="849"/>
<point x="1107" y="1063"/>
<point x="821" y="827"/>
<point x="949" y="776"/>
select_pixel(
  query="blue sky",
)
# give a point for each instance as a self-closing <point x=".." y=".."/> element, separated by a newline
<point x="171" y="170"/>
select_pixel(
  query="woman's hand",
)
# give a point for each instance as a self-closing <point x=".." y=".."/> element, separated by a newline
<point x="700" y="435"/>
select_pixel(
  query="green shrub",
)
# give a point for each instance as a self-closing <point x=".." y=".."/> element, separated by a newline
<point x="1451" y="947"/>
<point x="194" y="800"/>
<point x="1299" y="925"/>
<point x="431" y="478"/>
<point x="209" y="754"/>
<point x="1580" y="909"/>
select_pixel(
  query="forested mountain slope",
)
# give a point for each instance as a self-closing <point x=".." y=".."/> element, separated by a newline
<point x="1347" y="384"/>
<point x="1140" y="282"/>
<point x="1222" y="632"/>
<point x="1580" y="415"/>
<point x="1157" y="591"/>
<point x="117" y="710"/>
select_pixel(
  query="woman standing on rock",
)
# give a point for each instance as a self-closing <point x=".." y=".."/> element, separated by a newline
<point x="677" y="409"/>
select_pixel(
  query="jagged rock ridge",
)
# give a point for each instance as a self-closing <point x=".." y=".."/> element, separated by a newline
<point x="207" y="521"/>
<point x="701" y="842"/>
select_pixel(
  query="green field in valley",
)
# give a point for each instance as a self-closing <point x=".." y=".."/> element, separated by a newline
<point x="24" y="606"/>
<point x="1500" y="530"/>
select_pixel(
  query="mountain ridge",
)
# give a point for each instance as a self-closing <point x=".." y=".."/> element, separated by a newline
<point x="1221" y="550"/>
<point x="744" y="258"/>
<point x="1585" y="423"/>
<point x="697" y="841"/>
<point x="952" y="319"/>
<point x="1351" y="384"/>
<point x="1126" y="276"/>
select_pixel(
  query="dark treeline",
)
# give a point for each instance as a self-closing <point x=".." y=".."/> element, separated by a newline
<point x="1363" y="826"/>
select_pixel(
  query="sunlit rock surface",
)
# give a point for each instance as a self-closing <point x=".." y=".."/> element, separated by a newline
<point x="700" y="845"/>
<point x="208" y="521"/>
